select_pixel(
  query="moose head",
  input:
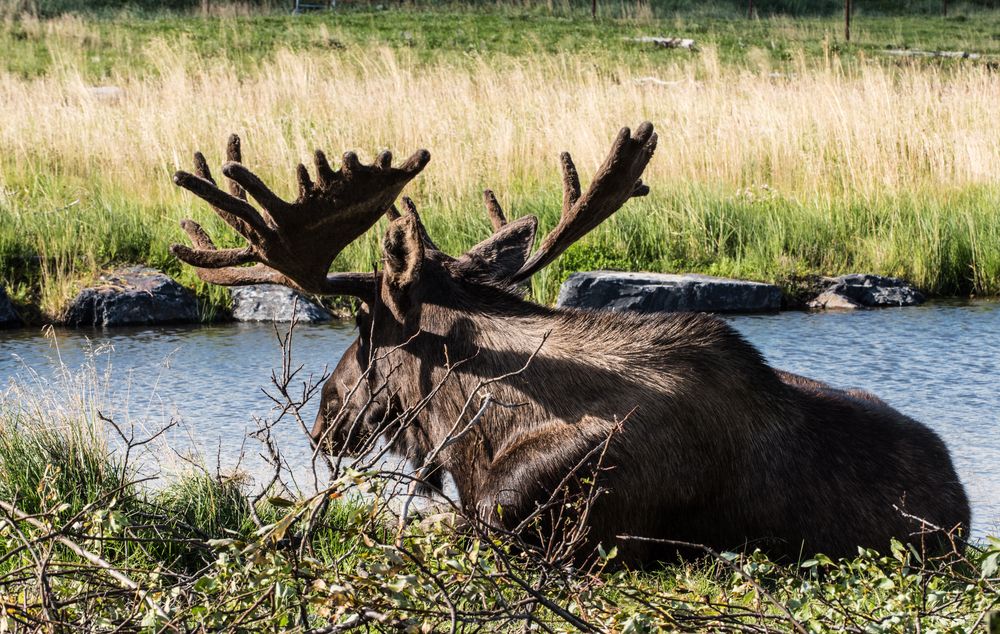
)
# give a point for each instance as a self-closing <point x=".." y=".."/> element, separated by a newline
<point x="295" y="243"/>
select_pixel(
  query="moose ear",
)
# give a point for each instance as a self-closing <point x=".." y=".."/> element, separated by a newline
<point x="504" y="253"/>
<point x="403" y="253"/>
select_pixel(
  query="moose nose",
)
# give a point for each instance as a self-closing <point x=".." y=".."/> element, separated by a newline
<point x="318" y="429"/>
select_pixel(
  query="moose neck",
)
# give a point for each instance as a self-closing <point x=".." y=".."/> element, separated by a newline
<point x="539" y="366"/>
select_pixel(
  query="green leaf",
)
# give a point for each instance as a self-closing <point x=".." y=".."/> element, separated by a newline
<point x="990" y="565"/>
<point x="280" y="502"/>
<point x="206" y="584"/>
<point x="115" y="521"/>
<point x="898" y="550"/>
<point x="281" y="527"/>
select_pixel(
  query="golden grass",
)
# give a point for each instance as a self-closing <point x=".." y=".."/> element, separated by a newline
<point x="816" y="132"/>
<point x="817" y="137"/>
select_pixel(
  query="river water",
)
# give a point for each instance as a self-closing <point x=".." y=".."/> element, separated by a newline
<point x="939" y="363"/>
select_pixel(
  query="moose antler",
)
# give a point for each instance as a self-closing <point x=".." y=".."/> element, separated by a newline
<point x="293" y="243"/>
<point x="494" y="211"/>
<point x="616" y="181"/>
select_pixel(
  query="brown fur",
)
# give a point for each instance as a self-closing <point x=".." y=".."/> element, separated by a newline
<point x="708" y="444"/>
<point x="716" y="447"/>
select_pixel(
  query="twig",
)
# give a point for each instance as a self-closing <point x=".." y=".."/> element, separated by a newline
<point x="710" y="551"/>
<point x="118" y="576"/>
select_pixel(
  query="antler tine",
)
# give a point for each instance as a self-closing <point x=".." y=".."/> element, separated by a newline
<point x="201" y="167"/>
<point x="234" y="154"/>
<point x="617" y="180"/>
<point x="410" y="209"/>
<point x="293" y="242"/>
<point x="248" y="182"/>
<point x="493" y="209"/>
<point x="571" y="181"/>
<point x="205" y="256"/>
<point x="235" y="211"/>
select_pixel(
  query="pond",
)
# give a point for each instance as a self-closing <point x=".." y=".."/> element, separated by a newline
<point x="937" y="363"/>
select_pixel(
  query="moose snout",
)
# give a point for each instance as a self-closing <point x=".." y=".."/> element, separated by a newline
<point x="318" y="428"/>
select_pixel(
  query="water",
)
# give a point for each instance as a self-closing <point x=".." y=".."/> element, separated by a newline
<point x="209" y="378"/>
<point x="936" y="363"/>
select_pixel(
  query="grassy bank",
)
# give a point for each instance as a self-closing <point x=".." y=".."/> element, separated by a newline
<point x="784" y="151"/>
<point x="103" y="45"/>
<point x="89" y="542"/>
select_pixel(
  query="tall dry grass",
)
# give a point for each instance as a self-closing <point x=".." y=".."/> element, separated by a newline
<point x="815" y="132"/>
<point x="821" y="139"/>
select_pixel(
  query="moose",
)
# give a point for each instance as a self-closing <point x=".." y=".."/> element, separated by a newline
<point x="699" y="439"/>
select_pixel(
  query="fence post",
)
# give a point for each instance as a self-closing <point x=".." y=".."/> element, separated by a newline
<point x="847" y="20"/>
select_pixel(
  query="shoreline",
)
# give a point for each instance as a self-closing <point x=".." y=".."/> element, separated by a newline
<point x="795" y="297"/>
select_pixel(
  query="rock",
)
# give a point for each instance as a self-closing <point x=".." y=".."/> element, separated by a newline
<point x="666" y="42"/>
<point x="899" y="52"/>
<point x="829" y="300"/>
<point x="272" y="302"/>
<point x="131" y="296"/>
<point x="867" y="291"/>
<point x="648" y="292"/>
<point x="8" y="316"/>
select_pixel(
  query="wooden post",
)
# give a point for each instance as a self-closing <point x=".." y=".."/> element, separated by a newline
<point x="750" y="10"/>
<point x="593" y="9"/>
<point x="847" y="20"/>
<point x="944" y="8"/>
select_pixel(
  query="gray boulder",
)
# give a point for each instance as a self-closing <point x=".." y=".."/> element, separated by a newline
<point x="8" y="316"/>
<point x="132" y="296"/>
<point x="272" y="302"/>
<point x="651" y="292"/>
<point x="867" y="291"/>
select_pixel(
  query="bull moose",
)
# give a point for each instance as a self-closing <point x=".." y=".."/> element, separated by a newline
<point x="702" y="440"/>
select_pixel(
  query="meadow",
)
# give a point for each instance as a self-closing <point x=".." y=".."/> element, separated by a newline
<point x="785" y="152"/>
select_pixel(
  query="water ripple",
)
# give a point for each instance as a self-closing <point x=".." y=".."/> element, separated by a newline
<point x="936" y="363"/>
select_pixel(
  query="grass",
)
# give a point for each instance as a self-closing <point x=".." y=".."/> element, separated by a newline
<point x="784" y="151"/>
<point x="104" y="46"/>
<point x="201" y="561"/>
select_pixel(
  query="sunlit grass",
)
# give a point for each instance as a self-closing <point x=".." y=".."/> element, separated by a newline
<point x="763" y="171"/>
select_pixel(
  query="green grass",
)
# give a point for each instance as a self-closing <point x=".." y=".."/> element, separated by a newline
<point x="949" y="245"/>
<point x="115" y="43"/>
<point x="728" y="8"/>
<point x="195" y="551"/>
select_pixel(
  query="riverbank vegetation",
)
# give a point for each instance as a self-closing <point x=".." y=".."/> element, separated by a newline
<point x="785" y="151"/>
<point x="96" y="532"/>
